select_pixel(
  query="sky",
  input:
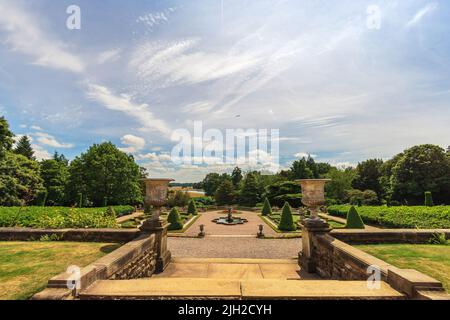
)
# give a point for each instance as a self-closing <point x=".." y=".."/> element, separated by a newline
<point x="343" y="80"/>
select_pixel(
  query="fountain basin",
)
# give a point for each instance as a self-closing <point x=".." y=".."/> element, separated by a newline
<point x="230" y="222"/>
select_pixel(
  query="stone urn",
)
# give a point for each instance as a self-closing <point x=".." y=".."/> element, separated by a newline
<point x="155" y="195"/>
<point x="313" y="196"/>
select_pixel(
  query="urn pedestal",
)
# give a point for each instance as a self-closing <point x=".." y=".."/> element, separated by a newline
<point x="313" y="196"/>
<point x="156" y="196"/>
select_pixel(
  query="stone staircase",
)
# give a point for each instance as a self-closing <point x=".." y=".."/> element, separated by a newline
<point x="236" y="279"/>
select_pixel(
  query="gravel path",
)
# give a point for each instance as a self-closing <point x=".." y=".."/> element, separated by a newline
<point x="225" y="247"/>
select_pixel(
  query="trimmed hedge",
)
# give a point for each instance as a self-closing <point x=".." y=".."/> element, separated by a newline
<point x="60" y="217"/>
<point x="354" y="220"/>
<point x="267" y="209"/>
<point x="287" y="220"/>
<point x="400" y="217"/>
<point x="192" y="208"/>
<point x="175" y="220"/>
<point x="429" y="199"/>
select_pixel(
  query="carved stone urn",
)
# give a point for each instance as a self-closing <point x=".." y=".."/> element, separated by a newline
<point x="156" y="196"/>
<point x="313" y="195"/>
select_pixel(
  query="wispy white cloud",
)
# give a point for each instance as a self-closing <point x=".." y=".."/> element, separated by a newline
<point x="123" y="103"/>
<point x="25" y="35"/>
<point x="153" y="19"/>
<point x="134" y="143"/>
<point x="40" y="153"/>
<point x="422" y="13"/>
<point x="108" y="56"/>
<point x="51" y="141"/>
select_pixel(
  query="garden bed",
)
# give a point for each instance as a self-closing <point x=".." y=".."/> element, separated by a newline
<point x="60" y="217"/>
<point x="400" y="217"/>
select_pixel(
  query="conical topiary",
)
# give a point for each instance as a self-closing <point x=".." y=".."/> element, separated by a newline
<point x="267" y="209"/>
<point x="429" y="199"/>
<point x="192" y="208"/>
<point x="287" y="220"/>
<point x="175" y="220"/>
<point x="354" y="220"/>
<point x="110" y="212"/>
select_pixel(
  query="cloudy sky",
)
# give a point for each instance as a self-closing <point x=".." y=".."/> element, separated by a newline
<point x="337" y="82"/>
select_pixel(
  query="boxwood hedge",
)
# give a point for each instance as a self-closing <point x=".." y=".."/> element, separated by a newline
<point x="400" y="217"/>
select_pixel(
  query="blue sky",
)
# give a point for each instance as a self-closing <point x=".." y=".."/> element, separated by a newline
<point x="137" y="70"/>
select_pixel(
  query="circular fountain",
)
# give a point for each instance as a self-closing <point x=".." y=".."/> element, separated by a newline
<point x="229" y="220"/>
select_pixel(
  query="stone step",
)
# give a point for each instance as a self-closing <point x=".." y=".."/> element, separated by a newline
<point x="234" y="261"/>
<point x="185" y="288"/>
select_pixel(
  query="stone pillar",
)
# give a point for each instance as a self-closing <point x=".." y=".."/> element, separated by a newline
<point x="156" y="196"/>
<point x="313" y="196"/>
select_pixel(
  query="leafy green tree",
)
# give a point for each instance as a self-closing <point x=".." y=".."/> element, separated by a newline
<point x="175" y="220"/>
<point x="211" y="182"/>
<point x="312" y="165"/>
<point x="250" y="193"/>
<point x="287" y="219"/>
<point x="24" y="148"/>
<point x="301" y="170"/>
<point x="421" y="168"/>
<point x="368" y="176"/>
<point x="354" y="220"/>
<point x="341" y="183"/>
<point x="267" y="209"/>
<point x="236" y="176"/>
<point x="276" y="191"/>
<point x="225" y="194"/>
<point x="178" y="199"/>
<point x="192" y="208"/>
<point x="20" y="181"/>
<point x="55" y="174"/>
<point x="429" y="199"/>
<point x="104" y="172"/>
<point x="6" y="137"/>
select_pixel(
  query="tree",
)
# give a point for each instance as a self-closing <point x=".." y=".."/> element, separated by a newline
<point x="225" y="194"/>
<point x="175" y="220"/>
<point x="312" y="165"/>
<point x="236" y="176"/>
<point x="20" y="182"/>
<point x="368" y="176"/>
<point x="300" y="170"/>
<point x="340" y="184"/>
<point x="24" y="148"/>
<point x="250" y="193"/>
<point x="178" y="199"/>
<point x="287" y="220"/>
<point x="211" y="182"/>
<point x="55" y="174"/>
<point x="6" y="137"/>
<point x="276" y="191"/>
<point x="104" y="172"/>
<point x="192" y="208"/>
<point x="429" y="199"/>
<point x="354" y="220"/>
<point x="267" y="209"/>
<point x="421" y="168"/>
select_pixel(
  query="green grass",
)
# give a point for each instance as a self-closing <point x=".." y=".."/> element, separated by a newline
<point x="432" y="260"/>
<point x="437" y="217"/>
<point x="59" y="217"/>
<point x="26" y="267"/>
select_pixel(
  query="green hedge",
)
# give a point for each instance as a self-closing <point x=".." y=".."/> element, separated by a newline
<point x="400" y="217"/>
<point x="59" y="217"/>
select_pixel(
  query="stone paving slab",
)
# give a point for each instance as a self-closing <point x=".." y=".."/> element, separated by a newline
<point x="315" y="289"/>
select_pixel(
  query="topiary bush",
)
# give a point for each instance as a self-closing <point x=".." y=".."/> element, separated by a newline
<point x="110" y="212"/>
<point x="429" y="199"/>
<point x="175" y="220"/>
<point x="192" y="208"/>
<point x="354" y="220"/>
<point x="267" y="208"/>
<point x="287" y="220"/>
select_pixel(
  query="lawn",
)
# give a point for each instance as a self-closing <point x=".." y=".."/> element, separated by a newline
<point x="26" y="267"/>
<point x="433" y="260"/>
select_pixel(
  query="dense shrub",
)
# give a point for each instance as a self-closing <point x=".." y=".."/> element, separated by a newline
<point x="59" y="217"/>
<point x="429" y="199"/>
<point x="178" y="199"/>
<point x="400" y="217"/>
<point x="294" y="200"/>
<point x="175" y="220"/>
<point x="287" y="220"/>
<point x="192" y="208"/>
<point x="354" y="220"/>
<point x="267" y="209"/>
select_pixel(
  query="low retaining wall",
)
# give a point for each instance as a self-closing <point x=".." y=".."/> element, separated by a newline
<point x="396" y="236"/>
<point x="134" y="260"/>
<point x="337" y="260"/>
<point x="76" y="235"/>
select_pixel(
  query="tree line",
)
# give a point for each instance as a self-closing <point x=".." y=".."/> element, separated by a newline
<point x="402" y="180"/>
<point x="101" y="176"/>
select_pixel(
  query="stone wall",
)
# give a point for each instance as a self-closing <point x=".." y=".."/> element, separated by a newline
<point x="77" y="235"/>
<point x="397" y="236"/>
<point x="134" y="260"/>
